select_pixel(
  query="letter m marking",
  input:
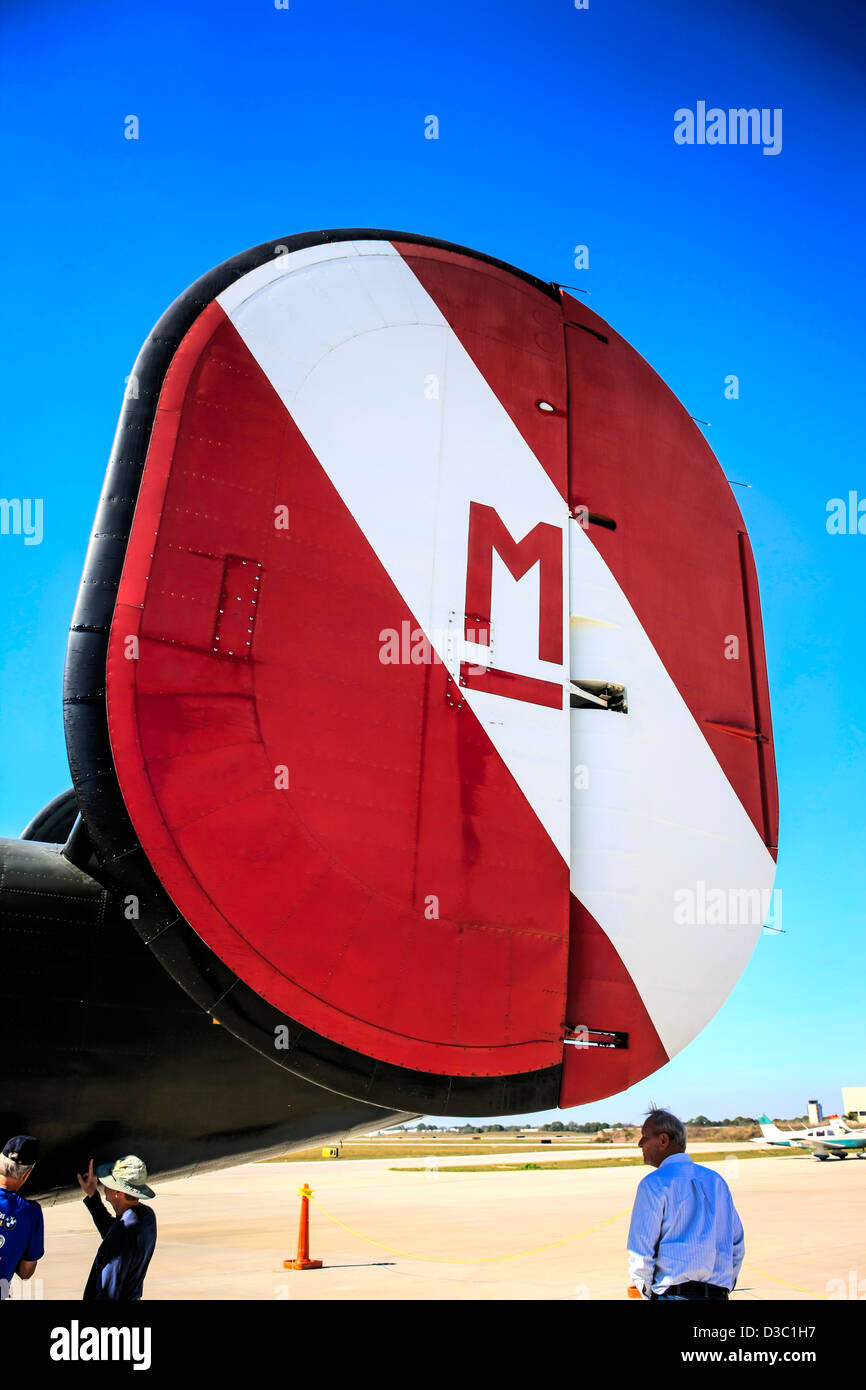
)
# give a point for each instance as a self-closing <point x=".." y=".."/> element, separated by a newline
<point x="542" y="546"/>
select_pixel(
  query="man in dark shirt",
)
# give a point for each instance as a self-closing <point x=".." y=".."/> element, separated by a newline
<point x="128" y="1237"/>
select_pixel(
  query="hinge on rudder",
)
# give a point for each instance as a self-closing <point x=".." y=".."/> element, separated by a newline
<point x="581" y="1036"/>
<point x="752" y="735"/>
<point x="608" y="695"/>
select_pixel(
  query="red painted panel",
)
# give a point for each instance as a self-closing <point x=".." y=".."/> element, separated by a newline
<point x="761" y="722"/>
<point x="399" y="895"/>
<point x="601" y="994"/>
<point x="637" y="456"/>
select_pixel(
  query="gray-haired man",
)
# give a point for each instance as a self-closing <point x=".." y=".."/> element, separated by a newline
<point x="21" y="1232"/>
<point x="685" y="1240"/>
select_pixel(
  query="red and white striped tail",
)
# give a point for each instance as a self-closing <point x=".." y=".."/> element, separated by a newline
<point x="448" y="683"/>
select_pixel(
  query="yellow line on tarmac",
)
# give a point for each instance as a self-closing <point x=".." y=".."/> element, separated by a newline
<point x="788" y="1285"/>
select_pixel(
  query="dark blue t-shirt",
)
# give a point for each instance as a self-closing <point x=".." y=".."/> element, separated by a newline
<point x="122" y="1259"/>
<point x="21" y="1235"/>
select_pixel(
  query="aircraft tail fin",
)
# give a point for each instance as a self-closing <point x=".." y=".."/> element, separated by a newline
<point x="768" y="1129"/>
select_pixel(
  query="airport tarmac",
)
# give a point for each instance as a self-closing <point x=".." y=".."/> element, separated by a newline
<point x="533" y="1234"/>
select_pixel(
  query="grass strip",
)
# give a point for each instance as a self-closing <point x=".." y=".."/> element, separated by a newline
<point x="713" y="1157"/>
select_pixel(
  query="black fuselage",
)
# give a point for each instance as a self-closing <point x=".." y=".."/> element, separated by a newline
<point x="107" y="1055"/>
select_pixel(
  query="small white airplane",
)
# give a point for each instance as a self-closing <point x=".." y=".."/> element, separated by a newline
<point x="831" y="1136"/>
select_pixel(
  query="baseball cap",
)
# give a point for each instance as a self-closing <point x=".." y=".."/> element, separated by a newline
<point x="22" y="1148"/>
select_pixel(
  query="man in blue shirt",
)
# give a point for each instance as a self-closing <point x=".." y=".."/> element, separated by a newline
<point x="128" y="1237"/>
<point x="21" y="1230"/>
<point x="685" y="1240"/>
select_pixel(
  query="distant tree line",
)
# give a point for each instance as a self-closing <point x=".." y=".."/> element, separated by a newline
<point x="590" y="1127"/>
<point x="554" y="1127"/>
<point x="470" y="1129"/>
<point x="701" y="1120"/>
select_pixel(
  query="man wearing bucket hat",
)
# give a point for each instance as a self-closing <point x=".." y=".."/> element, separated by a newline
<point x="128" y="1237"/>
<point x="21" y="1238"/>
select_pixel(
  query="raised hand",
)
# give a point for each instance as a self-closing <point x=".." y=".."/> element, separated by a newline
<point x="88" y="1181"/>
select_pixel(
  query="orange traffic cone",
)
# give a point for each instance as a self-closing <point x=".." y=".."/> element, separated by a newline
<point x="303" y="1260"/>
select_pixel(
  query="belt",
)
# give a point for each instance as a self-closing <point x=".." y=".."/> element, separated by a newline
<point x="693" y="1289"/>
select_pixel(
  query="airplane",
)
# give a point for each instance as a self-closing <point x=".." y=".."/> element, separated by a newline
<point x="831" y="1136"/>
<point x="395" y="880"/>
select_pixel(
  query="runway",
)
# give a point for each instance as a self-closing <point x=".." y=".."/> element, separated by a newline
<point x="434" y="1235"/>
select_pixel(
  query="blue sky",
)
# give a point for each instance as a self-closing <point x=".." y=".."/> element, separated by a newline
<point x="556" y="129"/>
